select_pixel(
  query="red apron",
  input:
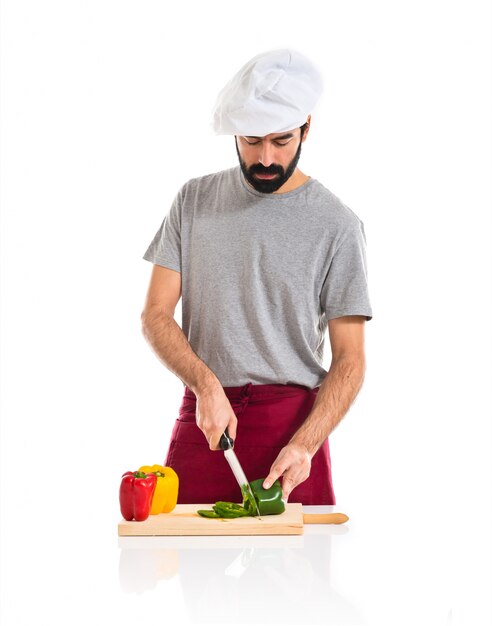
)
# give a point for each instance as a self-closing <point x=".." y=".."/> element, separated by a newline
<point x="268" y="416"/>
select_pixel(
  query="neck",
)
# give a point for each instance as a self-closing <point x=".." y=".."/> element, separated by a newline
<point x="296" y="180"/>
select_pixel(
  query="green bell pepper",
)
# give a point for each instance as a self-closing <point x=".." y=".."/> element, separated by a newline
<point x="269" y="503"/>
<point x="269" y="500"/>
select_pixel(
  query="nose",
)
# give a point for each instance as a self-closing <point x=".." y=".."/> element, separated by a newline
<point x="266" y="154"/>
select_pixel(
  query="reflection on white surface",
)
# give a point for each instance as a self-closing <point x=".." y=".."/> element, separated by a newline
<point x="265" y="579"/>
<point x="142" y="568"/>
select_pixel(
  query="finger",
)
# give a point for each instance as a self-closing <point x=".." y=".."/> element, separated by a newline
<point x="232" y="428"/>
<point x="276" y="471"/>
<point x="213" y="440"/>
<point x="288" y="485"/>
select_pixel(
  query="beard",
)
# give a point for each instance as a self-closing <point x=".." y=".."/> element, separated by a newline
<point x="268" y="186"/>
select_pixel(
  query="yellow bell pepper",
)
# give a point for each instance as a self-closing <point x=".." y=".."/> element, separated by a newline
<point x="166" y="489"/>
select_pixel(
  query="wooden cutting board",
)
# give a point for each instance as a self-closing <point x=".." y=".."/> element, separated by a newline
<point x="184" y="520"/>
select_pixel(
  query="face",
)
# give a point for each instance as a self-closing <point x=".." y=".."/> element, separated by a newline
<point x="268" y="162"/>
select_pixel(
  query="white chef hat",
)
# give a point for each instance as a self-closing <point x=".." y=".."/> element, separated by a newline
<point x="273" y="93"/>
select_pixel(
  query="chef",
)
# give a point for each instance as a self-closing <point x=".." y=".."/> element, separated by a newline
<point x="267" y="262"/>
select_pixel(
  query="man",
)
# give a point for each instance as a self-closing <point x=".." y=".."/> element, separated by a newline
<point x="265" y="259"/>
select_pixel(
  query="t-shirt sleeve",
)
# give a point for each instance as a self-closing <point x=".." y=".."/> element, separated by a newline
<point x="165" y="248"/>
<point x="345" y="288"/>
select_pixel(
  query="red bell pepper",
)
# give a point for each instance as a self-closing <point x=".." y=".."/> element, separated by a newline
<point x="136" y="491"/>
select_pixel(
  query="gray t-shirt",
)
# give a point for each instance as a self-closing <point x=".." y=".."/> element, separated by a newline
<point x="261" y="275"/>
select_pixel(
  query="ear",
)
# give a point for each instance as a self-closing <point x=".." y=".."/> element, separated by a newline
<point x="306" y="130"/>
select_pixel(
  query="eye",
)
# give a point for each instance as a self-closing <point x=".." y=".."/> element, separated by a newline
<point x="284" y="142"/>
<point x="251" y="143"/>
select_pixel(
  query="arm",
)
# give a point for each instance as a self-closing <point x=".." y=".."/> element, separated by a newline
<point x="214" y="412"/>
<point x="336" y="393"/>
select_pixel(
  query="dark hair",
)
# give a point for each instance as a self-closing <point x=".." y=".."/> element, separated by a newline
<point x="303" y="128"/>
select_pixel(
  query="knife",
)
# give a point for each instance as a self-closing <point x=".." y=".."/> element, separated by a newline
<point x="226" y="444"/>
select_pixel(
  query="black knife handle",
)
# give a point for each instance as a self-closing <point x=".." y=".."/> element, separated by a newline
<point x="226" y="443"/>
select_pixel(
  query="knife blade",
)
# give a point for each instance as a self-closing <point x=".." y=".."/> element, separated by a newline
<point x="226" y="444"/>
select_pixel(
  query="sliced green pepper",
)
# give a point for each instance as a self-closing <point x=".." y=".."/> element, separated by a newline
<point x="249" y="501"/>
<point x="227" y="510"/>
<point x="206" y="513"/>
<point x="230" y="509"/>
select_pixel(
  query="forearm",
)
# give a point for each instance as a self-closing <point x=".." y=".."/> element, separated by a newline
<point x="336" y="393"/>
<point x="173" y="349"/>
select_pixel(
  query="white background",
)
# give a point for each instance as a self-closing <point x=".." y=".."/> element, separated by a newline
<point x="105" y="113"/>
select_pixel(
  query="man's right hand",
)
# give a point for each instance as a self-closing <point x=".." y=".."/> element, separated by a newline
<point x="214" y="414"/>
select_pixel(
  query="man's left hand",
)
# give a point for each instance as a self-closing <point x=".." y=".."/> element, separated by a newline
<point x="293" y="464"/>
